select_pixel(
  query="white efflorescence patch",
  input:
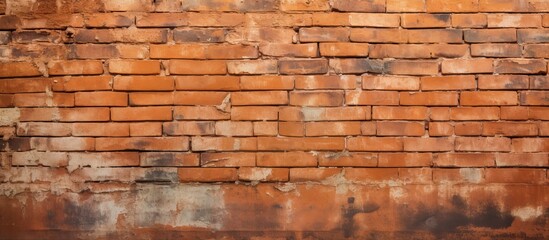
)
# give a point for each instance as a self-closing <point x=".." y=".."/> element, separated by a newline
<point x="9" y="116"/>
<point x="527" y="213"/>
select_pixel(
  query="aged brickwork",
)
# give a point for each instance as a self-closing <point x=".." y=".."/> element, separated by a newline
<point x="281" y="119"/>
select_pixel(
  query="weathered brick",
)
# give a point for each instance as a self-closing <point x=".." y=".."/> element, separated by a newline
<point x="263" y="174"/>
<point x="474" y="113"/>
<point x="358" y="5"/>
<point x="483" y="144"/>
<point x="121" y="35"/>
<point x="533" y="35"/>
<point x="452" y="5"/>
<point x="374" y="20"/>
<point x="199" y="113"/>
<point x="400" y="67"/>
<point x="469" y="20"/>
<point x="377" y="144"/>
<point x="332" y="128"/>
<point x="425" y="20"/>
<point x="161" y="20"/>
<point x="192" y="67"/>
<point x="254" y="113"/>
<point x="502" y="82"/>
<point x="300" y="144"/>
<point x="76" y="67"/>
<point x="390" y="83"/>
<point x="496" y="50"/>
<point x="448" y="83"/>
<point x="315" y="66"/>
<point x="189" y="128"/>
<point x="429" y="98"/>
<point x="316" y="98"/>
<point x="490" y="35"/>
<point x="207" y="83"/>
<point x="323" y="34"/>
<point x="151" y="98"/>
<point x="223" y="144"/>
<point x="356" y="65"/>
<point x="260" y="98"/>
<point x="108" y="20"/>
<point x="520" y="66"/>
<point x="324" y="114"/>
<point x="252" y="67"/>
<point x="101" y="99"/>
<point x="142" y="83"/>
<point x="399" y="113"/>
<point x="325" y="82"/>
<point x="400" y="128"/>
<point x="19" y="69"/>
<point x="142" y="144"/>
<point x="304" y="5"/>
<point x="101" y="129"/>
<point x="269" y="83"/>
<point x="488" y="98"/>
<point x="216" y="19"/>
<point x="371" y="98"/>
<point x="289" y="50"/>
<point x="344" y="49"/>
<point x="141" y="114"/>
<point x="227" y="159"/>
<point x="534" y="98"/>
<point x="461" y="66"/>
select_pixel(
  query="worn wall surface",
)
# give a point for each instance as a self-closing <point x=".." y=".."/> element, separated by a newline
<point x="282" y="119"/>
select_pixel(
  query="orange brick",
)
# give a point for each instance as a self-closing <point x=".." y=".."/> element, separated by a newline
<point x="532" y="35"/>
<point x="232" y="51"/>
<point x="43" y="100"/>
<point x="400" y="129"/>
<point x="374" y="144"/>
<point x="374" y="20"/>
<point x="274" y="35"/>
<point x="502" y="82"/>
<point x="502" y="6"/>
<point x="439" y="129"/>
<point x="405" y="6"/>
<point x="145" y="129"/>
<point x="356" y="65"/>
<point x="435" y="36"/>
<point x="95" y="114"/>
<point x="401" y="67"/>
<point x="80" y="67"/>
<point x="348" y="160"/>
<point x="199" y="113"/>
<point x="520" y="66"/>
<point x="469" y="20"/>
<point x="227" y="159"/>
<point x="474" y="113"/>
<point x="63" y="144"/>
<point x="260" y="98"/>
<point x="223" y="144"/>
<point x="371" y="174"/>
<point x="440" y="144"/>
<point x="207" y="174"/>
<point x="452" y="5"/>
<point x="254" y="113"/>
<point x="534" y="98"/>
<point x="325" y="82"/>
<point x="89" y="83"/>
<point x="530" y="145"/>
<point x="490" y="35"/>
<point x="414" y="51"/>
<point x="161" y="20"/>
<point x="266" y="82"/>
<point x="263" y="174"/>
<point x="344" y="49"/>
<point x="101" y="99"/>
<point x="141" y="113"/>
<point x="216" y="19"/>
<point x="199" y="98"/>
<point x="483" y="144"/>
<point x="183" y="51"/>
<point x="460" y="66"/>
<point x="460" y="175"/>
<point x="330" y="19"/>
<point x="291" y="129"/>
<point x="21" y="85"/>
<point x="536" y="51"/>
<point x="304" y="5"/>
<point x="448" y="83"/>
<point x="192" y="67"/>
<point x="19" y="69"/>
<point x="265" y="128"/>
<point x="514" y="113"/>
<point x="314" y="66"/>
<point x="378" y="35"/>
<point x="488" y="98"/>
<point x="358" y="5"/>
<point x="151" y="98"/>
<point x="143" y="83"/>
<point x="300" y="144"/>
<point x="189" y="128"/>
<point x="509" y="129"/>
<point x="323" y="34"/>
<point x="312" y="174"/>
<point x="282" y="19"/>
<point x="199" y="35"/>
<point x="325" y="114"/>
<point x="44" y="129"/>
<point x="522" y="159"/>
<point x="464" y="160"/>
<point x="142" y="143"/>
<point x="390" y="83"/>
<point x="399" y="113"/>
<point x="439" y="113"/>
<point x="286" y="159"/>
<point x="121" y="35"/>
<point x="99" y="20"/>
<point x="249" y="67"/>
<point x="168" y="159"/>
<point x="404" y="159"/>
<point x="514" y="21"/>
<point x="539" y="113"/>
<point x="207" y="83"/>
<point x="134" y="67"/>
<point x="468" y="129"/>
<point x="289" y="50"/>
<point x="332" y="128"/>
<point x="228" y="128"/>
<point x="429" y="98"/>
<point x="101" y="129"/>
<point x="316" y="98"/>
<point x="502" y="175"/>
<point x="426" y="20"/>
<point x="51" y="159"/>
<point x="496" y="50"/>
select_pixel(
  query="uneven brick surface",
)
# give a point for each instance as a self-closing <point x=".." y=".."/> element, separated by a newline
<point x="282" y="119"/>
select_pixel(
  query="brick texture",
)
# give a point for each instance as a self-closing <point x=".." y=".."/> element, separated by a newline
<point x="282" y="119"/>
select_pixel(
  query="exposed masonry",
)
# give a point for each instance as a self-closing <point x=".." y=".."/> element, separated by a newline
<point x="283" y="119"/>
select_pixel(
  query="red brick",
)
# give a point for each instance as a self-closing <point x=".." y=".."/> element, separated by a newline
<point x="316" y="98"/>
<point x="358" y="5"/>
<point x="490" y="35"/>
<point x="199" y="113"/>
<point x="371" y="98"/>
<point x="101" y="99"/>
<point x="343" y="49"/>
<point x="461" y="66"/>
<point x="496" y="50"/>
<point x="286" y="159"/>
<point x="323" y="34"/>
<point x="168" y="159"/>
<point x="464" y="160"/>
<point x="239" y="159"/>
<point x="468" y="129"/>
<point x="199" y="98"/>
<point x="332" y="128"/>
<point x="530" y="145"/>
<point x="84" y="67"/>
<point x="399" y="113"/>
<point x="288" y="50"/>
<point x="312" y="174"/>
<point x="377" y="144"/>
<point x="314" y="66"/>
<point x="207" y="174"/>
<point x="469" y="20"/>
<point x="63" y="144"/>
<point x="448" y="83"/>
<point x="223" y="144"/>
<point x="216" y="19"/>
<point x="192" y="67"/>
<point x="404" y="159"/>
<point x="143" y="83"/>
<point x="356" y="65"/>
<point x="207" y="83"/>
<point x="6" y="100"/>
<point x="263" y="174"/>
<point x="9" y="22"/>
<point x="401" y="67"/>
<point x="474" y="113"/>
<point x="325" y="82"/>
<point x="228" y="128"/>
<point x="429" y="98"/>
<point x="151" y="98"/>
<point x="141" y="114"/>
<point x="250" y="67"/>
<point x="374" y="20"/>
<point x="514" y="21"/>
<point x="19" y="69"/>
<point x="291" y="129"/>
<point x="325" y="114"/>
<point x="43" y="129"/>
<point x="145" y="129"/>
<point x="390" y="83"/>
<point x="405" y="6"/>
<point x="488" y="98"/>
<point x="441" y="144"/>
<point x="534" y="98"/>
<point x="520" y="66"/>
<point x="105" y="159"/>
<point x="440" y="129"/>
<point x="502" y="82"/>
<point x="161" y="20"/>
<point x="267" y="82"/>
<point x="532" y="35"/>
<point x="371" y="174"/>
<point x="400" y="129"/>
<point x="101" y="129"/>
<point x="425" y="21"/>
<point x="304" y="5"/>
<point x="109" y="20"/>
<point x="503" y="175"/>
<point x="142" y="143"/>
<point x="265" y="128"/>
<point x="254" y="113"/>
<point x="300" y="144"/>
<point x="259" y="98"/>
<point x="189" y="128"/>
<point x="483" y="144"/>
<point x="452" y="5"/>
<point x="134" y="67"/>
<point x="522" y="159"/>
<point x="44" y="99"/>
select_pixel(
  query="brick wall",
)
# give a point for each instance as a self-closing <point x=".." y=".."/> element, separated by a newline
<point x="283" y="119"/>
